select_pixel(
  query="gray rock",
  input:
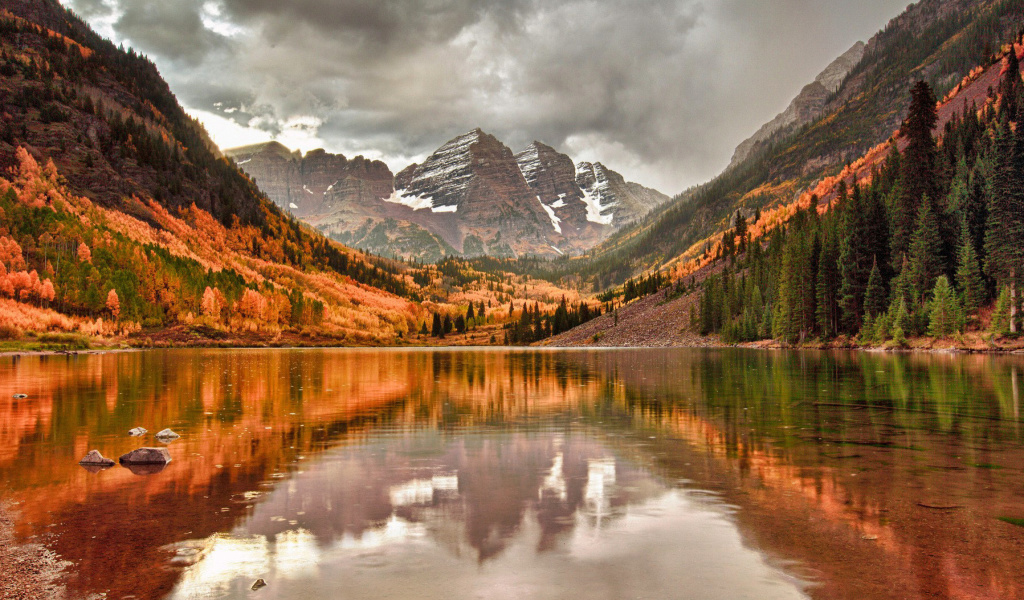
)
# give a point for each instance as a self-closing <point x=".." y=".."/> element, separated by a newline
<point x="143" y="470"/>
<point x="146" y="456"/>
<point x="94" y="458"/>
<point x="167" y="435"/>
<point x="138" y="431"/>
<point x="20" y="396"/>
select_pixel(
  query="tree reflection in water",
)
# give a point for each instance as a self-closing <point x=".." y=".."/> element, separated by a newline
<point x="415" y="465"/>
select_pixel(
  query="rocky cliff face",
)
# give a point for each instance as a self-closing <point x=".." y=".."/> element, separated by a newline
<point x="317" y="183"/>
<point x="610" y="199"/>
<point x="472" y="196"/>
<point x="551" y="175"/>
<point x="475" y="179"/>
<point x="807" y="106"/>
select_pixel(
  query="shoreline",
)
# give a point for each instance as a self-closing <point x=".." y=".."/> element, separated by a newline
<point x="707" y="345"/>
<point x="30" y="571"/>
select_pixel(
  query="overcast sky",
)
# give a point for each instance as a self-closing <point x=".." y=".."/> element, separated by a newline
<point x="659" y="90"/>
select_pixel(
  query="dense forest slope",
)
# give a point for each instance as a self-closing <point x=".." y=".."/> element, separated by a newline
<point x="938" y="41"/>
<point x="119" y="218"/>
<point x="919" y="241"/>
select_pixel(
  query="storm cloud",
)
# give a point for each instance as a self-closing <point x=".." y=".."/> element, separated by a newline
<point x="660" y="90"/>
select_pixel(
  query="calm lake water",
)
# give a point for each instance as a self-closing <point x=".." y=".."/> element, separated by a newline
<point x="723" y="474"/>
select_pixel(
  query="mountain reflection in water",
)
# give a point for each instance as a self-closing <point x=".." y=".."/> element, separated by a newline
<point x="534" y="474"/>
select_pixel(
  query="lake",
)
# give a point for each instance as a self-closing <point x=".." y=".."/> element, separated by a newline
<point x="548" y="474"/>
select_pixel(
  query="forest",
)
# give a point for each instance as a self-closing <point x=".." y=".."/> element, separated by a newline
<point x="932" y="243"/>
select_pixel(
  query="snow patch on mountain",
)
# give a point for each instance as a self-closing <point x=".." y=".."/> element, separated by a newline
<point x="411" y="200"/>
<point x="555" y="221"/>
<point x="447" y="173"/>
<point x="596" y="193"/>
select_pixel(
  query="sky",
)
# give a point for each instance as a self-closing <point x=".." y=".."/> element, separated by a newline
<point x="661" y="91"/>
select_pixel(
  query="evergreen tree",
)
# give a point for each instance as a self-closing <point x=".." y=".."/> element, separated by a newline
<point x="855" y="262"/>
<point x="968" y="274"/>
<point x="1000" y="324"/>
<point x="1005" y="230"/>
<point x="1010" y="84"/>
<point x="925" y="252"/>
<point x="944" y="316"/>
<point x="874" y="297"/>
<point x="918" y="176"/>
<point x="435" y="328"/>
<point x="828" y="286"/>
<point x="741" y="231"/>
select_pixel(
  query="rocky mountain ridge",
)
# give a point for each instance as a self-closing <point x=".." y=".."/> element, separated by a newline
<point x="807" y="106"/>
<point x="471" y="197"/>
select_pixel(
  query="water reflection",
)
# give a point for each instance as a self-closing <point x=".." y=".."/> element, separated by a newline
<point x="533" y="474"/>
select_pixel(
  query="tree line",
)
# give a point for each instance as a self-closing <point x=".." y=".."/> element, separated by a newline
<point x="934" y="237"/>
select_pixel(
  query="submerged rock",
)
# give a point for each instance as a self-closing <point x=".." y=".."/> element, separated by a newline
<point x="167" y="435"/>
<point x="259" y="584"/>
<point x="146" y="456"/>
<point x="137" y="432"/>
<point x="95" y="459"/>
<point x="145" y="469"/>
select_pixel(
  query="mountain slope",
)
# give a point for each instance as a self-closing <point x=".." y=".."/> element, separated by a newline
<point x="807" y="106"/>
<point x="938" y="40"/>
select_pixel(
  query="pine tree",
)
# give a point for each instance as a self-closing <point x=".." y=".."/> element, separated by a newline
<point x="925" y="252"/>
<point x="918" y="177"/>
<point x="1010" y="84"/>
<point x="855" y="262"/>
<point x="1000" y="324"/>
<point x="1005" y="229"/>
<point x="874" y="297"/>
<point x="968" y="273"/>
<point x="828" y="286"/>
<point x="944" y="314"/>
<point x="435" y="328"/>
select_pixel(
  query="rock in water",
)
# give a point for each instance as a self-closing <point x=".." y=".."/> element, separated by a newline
<point x="259" y="584"/>
<point x="167" y="435"/>
<point x="94" y="458"/>
<point x="146" y="456"/>
<point x="137" y="432"/>
<point x="20" y="396"/>
<point x="143" y="470"/>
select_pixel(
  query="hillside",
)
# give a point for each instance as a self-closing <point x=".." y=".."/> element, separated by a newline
<point x="916" y="243"/>
<point x="939" y="41"/>
<point x="121" y="221"/>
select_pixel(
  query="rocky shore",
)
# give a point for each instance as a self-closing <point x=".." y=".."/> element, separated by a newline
<point x="29" y="571"/>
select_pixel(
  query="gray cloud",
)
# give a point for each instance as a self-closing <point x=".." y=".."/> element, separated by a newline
<point x="661" y="90"/>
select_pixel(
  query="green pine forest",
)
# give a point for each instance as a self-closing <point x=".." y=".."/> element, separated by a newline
<point x="933" y="245"/>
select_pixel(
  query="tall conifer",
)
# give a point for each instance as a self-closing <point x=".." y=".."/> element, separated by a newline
<point x="918" y="174"/>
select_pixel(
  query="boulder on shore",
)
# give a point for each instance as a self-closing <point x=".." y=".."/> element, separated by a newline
<point x="94" y="458"/>
<point x="146" y="456"/>
<point x="136" y="432"/>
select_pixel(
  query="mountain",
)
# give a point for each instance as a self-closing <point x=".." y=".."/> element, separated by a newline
<point x="475" y="181"/>
<point x="120" y="222"/>
<point x="807" y="106"/>
<point x="316" y="182"/>
<point x="470" y="197"/>
<point x="939" y="41"/>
